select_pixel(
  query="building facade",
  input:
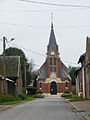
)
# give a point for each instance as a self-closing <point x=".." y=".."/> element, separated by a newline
<point x="83" y="73"/>
<point x="13" y="83"/>
<point x="53" y="75"/>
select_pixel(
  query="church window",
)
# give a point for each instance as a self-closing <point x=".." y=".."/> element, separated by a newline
<point x="50" y="61"/>
<point x="54" y="60"/>
<point x="50" y="68"/>
<point x="54" y="68"/>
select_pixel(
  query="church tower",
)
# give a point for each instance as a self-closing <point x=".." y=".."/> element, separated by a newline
<point x="53" y="76"/>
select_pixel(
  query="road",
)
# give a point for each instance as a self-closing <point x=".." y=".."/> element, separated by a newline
<point x="41" y="109"/>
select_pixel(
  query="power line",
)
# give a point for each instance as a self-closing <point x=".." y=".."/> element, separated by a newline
<point x="40" y="11"/>
<point x="55" y="4"/>
<point x="29" y="50"/>
<point x="44" y="27"/>
<point x="39" y="53"/>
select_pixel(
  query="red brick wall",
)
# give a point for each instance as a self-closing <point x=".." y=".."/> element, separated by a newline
<point x="61" y="87"/>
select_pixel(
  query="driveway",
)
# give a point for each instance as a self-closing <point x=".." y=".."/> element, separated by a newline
<point x="41" y="109"/>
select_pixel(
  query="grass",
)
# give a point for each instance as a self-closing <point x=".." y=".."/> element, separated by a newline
<point x="88" y="115"/>
<point x="10" y="100"/>
<point x="72" y="97"/>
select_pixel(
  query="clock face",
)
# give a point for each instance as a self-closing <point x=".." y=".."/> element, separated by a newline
<point x="52" y="52"/>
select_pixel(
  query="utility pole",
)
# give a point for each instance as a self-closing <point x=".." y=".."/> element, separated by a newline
<point x="4" y="63"/>
<point x="4" y="67"/>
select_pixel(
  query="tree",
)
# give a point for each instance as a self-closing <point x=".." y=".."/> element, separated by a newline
<point x="72" y="74"/>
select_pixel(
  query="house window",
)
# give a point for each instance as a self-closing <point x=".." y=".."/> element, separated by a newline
<point x="40" y="85"/>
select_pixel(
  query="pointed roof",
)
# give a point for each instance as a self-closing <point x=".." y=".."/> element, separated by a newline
<point x="52" y="39"/>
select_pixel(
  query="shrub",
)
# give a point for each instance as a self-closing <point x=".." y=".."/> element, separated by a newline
<point x="23" y="96"/>
<point x="67" y="91"/>
<point x="66" y="95"/>
<point x="38" y="92"/>
<point x="38" y="96"/>
<point x="7" y="98"/>
<point x="31" y="90"/>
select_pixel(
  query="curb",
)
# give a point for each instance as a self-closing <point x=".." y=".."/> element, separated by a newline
<point x="77" y="110"/>
<point x="5" y="108"/>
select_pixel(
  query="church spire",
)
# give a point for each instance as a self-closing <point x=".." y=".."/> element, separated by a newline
<point x="52" y="39"/>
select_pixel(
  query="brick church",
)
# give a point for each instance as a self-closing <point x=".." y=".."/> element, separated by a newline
<point x="53" y="76"/>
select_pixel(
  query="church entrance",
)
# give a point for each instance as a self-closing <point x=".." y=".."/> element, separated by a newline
<point x="53" y="88"/>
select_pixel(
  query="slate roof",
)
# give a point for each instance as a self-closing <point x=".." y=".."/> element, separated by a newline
<point x="43" y="73"/>
<point x="52" y="40"/>
<point x="64" y="71"/>
<point x="82" y="57"/>
<point x="12" y="66"/>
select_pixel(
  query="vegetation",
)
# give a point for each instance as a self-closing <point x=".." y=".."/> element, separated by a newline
<point x="8" y="99"/>
<point x="38" y="96"/>
<point x="72" y="97"/>
<point x="89" y="115"/>
<point x="31" y="90"/>
<point x="72" y="74"/>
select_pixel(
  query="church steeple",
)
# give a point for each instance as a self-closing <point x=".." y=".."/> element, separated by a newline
<point x="52" y="39"/>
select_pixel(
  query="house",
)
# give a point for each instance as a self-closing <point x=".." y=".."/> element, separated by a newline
<point x="13" y="76"/>
<point x="83" y="73"/>
<point x="53" y="76"/>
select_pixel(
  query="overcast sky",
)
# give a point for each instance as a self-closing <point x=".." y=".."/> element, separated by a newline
<point x="30" y="25"/>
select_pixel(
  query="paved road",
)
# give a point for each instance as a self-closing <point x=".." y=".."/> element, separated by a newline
<point x="41" y="109"/>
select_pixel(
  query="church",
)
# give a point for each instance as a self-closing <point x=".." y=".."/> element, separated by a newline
<point x="53" y="76"/>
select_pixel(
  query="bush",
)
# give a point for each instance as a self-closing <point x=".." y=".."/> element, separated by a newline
<point x="66" y="95"/>
<point x="38" y="96"/>
<point x="38" y="92"/>
<point x="8" y="98"/>
<point x="67" y="91"/>
<point x="31" y="90"/>
<point x="23" y="96"/>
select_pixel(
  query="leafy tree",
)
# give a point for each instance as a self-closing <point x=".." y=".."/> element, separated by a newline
<point x="72" y="74"/>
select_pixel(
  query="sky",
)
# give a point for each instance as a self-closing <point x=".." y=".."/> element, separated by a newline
<point x="30" y="25"/>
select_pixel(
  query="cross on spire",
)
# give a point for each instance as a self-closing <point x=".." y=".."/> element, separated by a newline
<point x="51" y="19"/>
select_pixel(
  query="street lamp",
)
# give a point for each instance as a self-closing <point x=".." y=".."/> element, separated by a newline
<point x="4" y="63"/>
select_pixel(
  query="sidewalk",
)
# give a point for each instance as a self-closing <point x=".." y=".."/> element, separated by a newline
<point x="83" y="107"/>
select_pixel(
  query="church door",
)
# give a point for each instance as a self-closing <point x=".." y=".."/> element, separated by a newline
<point x="53" y="88"/>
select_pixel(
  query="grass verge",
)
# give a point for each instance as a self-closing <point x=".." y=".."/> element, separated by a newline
<point x="72" y="97"/>
<point x="88" y="115"/>
<point x="10" y="100"/>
